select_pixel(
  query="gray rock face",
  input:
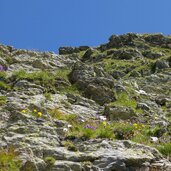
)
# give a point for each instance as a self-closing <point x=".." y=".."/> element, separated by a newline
<point x="107" y="155"/>
<point x="94" y="83"/>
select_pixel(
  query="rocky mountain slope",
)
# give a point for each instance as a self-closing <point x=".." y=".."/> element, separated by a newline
<point x="105" y="108"/>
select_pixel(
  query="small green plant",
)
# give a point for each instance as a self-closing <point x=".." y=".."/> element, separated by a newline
<point x="10" y="60"/>
<point x="50" y="161"/>
<point x="165" y="149"/>
<point x="62" y="73"/>
<point x="4" y="86"/>
<point x="71" y="89"/>
<point x="105" y="131"/>
<point x="70" y="146"/>
<point x="123" y="99"/>
<point x="123" y="130"/>
<point x="87" y="133"/>
<point x="155" y="131"/>
<point x="47" y="96"/>
<point x="57" y="114"/>
<point x="3" y="100"/>
<point x="142" y="135"/>
<point x="2" y="75"/>
<point x="9" y="160"/>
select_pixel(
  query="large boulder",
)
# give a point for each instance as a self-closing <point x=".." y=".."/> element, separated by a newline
<point x="119" y="41"/>
<point x="158" y="39"/>
<point x="94" y="83"/>
<point x="100" y="94"/>
<point x="113" y="112"/>
<point x="161" y="64"/>
<point x="88" y="54"/>
<point x="126" y="54"/>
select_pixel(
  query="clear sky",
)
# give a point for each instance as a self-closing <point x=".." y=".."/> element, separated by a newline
<point x="48" y="24"/>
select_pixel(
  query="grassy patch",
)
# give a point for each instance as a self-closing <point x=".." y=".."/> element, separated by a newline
<point x="71" y="89"/>
<point x="95" y="128"/>
<point x="121" y="65"/>
<point x="3" y="100"/>
<point x="62" y="73"/>
<point x="48" y="80"/>
<point x="70" y="145"/>
<point x="165" y="149"/>
<point x="42" y="76"/>
<point x="123" y="99"/>
<point x="9" y="160"/>
<point x="4" y="86"/>
<point x="47" y="96"/>
<point x="115" y="130"/>
<point x="57" y="114"/>
<point x="2" y="75"/>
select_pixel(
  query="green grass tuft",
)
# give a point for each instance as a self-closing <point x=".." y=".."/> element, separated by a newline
<point x="9" y="160"/>
<point x="165" y="149"/>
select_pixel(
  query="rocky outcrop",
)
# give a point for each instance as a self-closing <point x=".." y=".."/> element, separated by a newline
<point x="93" y="82"/>
<point x="118" y="112"/>
<point x="70" y="50"/>
<point x="104" y="108"/>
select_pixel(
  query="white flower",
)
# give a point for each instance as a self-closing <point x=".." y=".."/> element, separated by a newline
<point x="141" y="92"/>
<point x="82" y="120"/>
<point x="154" y="139"/>
<point x="69" y="126"/>
<point x="65" y="129"/>
<point x="103" y="118"/>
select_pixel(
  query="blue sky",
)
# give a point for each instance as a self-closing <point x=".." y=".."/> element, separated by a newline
<point x="48" y="24"/>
